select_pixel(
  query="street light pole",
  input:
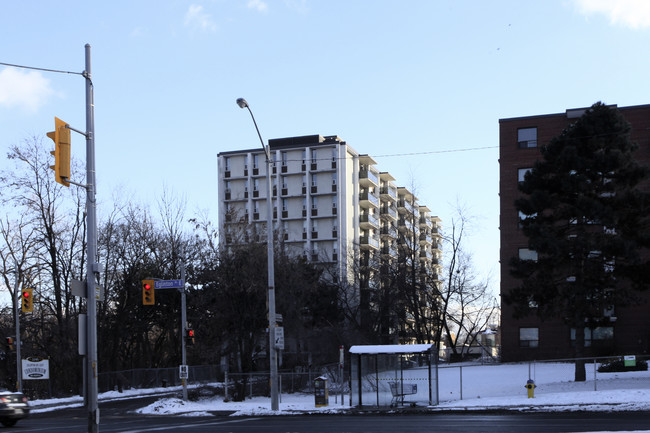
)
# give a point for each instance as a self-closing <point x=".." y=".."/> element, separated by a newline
<point x="273" y="354"/>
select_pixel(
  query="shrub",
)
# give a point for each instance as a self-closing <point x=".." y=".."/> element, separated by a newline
<point x="618" y="366"/>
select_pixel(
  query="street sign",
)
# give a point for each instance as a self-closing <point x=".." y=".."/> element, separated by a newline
<point x="183" y="372"/>
<point x="279" y="338"/>
<point x="169" y="284"/>
<point x="36" y="368"/>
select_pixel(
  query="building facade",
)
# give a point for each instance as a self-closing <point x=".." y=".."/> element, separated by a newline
<point x="330" y="204"/>
<point x="622" y="330"/>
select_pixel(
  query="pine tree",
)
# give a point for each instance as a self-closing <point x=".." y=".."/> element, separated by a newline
<point x="585" y="215"/>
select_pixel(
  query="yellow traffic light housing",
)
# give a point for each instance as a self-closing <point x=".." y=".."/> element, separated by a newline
<point x="27" y="300"/>
<point x="61" y="152"/>
<point x="148" y="292"/>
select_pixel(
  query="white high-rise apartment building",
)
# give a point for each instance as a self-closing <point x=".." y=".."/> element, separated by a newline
<point x="329" y="203"/>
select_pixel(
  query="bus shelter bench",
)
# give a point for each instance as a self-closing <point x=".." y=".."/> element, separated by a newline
<point x="399" y="390"/>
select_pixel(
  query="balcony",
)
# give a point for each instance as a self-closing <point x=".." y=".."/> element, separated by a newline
<point x="387" y="232"/>
<point x="367" y="200"/>
<point x="366" y="242"/>
<point x="405" y="224"/>
<point x="367" y="221"/>
<point x="388" y="193"/>
<point x="426" y="221"/>
<point x="368" y="178"/>
<point x="425" y="238"/>
<point x="388" y="212"/>
<point x="388" y="251"/>
<point x="405" y="206"/>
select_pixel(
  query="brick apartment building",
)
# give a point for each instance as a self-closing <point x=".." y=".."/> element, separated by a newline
<point x="622" y="330"/>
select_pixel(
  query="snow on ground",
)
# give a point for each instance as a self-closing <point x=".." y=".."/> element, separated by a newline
<point x="483" y="387"/>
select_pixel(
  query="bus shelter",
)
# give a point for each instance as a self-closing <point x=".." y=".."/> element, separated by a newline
<point x="393" y="375"/>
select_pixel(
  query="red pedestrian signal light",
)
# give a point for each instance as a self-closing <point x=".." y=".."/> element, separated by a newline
<point x="27" y="300"/>
<point x="148" y="289"/>
<point x="190" y="337"/>
<point x="10" y="342"/>
<point x="61" y="152"/>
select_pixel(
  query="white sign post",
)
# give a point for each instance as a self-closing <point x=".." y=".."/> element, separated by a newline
<point x="183" y="372"/>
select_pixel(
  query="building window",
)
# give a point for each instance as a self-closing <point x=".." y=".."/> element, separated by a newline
<point x="528" y="337"/>
<point x="313" y="159"/>
<point x="527" y="138"/>
<point x="600" y="334"/>
<point x="521" y="174"/>
<point x="527" y="254"/>
<point x="522" y="217"/>
<point x="314" y="206"/>
<point x="256" y="187"/>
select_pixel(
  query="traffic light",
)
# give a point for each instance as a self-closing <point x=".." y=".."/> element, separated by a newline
<point x="148" y="292"/>
<point x="61" y="152"/>
<point x="27" y="300"/>
<point x="11" y="341"/>
<point x="189" y="340"/>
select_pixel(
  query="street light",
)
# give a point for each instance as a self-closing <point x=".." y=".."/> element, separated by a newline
<point x="273" y="356"/>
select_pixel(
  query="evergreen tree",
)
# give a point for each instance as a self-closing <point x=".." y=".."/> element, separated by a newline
<point x="586" y="219"/>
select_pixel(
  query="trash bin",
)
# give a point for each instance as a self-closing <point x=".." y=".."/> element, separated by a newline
<point x="320" y="391"/>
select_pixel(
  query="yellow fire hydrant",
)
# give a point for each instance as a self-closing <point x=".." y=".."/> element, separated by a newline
<point x="530" y="386"/>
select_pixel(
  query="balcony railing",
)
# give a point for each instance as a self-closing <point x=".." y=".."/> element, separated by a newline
<point x="388" y="211"/>
<point x="368" y="241"/>
<point x="405" y="204"/>
<point x="367" y="198"/>
<point x="389" y="192"/>
<point x="367" y="174"/>
<point x="368" y="219"/>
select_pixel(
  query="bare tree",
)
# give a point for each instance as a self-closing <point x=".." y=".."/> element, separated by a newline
<point x="466" y="305"/>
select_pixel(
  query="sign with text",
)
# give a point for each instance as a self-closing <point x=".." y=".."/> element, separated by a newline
<point x="169" y="284"/>
<point x="279" y="337"/>
<point x="36" y="368"/>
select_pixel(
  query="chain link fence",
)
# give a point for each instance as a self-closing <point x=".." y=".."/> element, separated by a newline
<point x="239" y="386"/>
<point x="157" y="377"/>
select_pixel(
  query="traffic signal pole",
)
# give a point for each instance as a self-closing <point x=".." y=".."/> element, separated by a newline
<point x="92" y="267"/>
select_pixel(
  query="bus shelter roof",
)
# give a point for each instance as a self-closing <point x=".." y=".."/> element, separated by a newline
<point x="390" y="349"/>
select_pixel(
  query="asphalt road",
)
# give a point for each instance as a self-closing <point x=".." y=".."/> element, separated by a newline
<point x="117" y="417"/>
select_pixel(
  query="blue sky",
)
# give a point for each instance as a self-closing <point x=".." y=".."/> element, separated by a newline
<point x="412" y="83"/>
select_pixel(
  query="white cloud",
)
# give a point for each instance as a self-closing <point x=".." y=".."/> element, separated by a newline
<point x="197" y="18"/>
<point x="628" y="13"/>
<point x="25" y="90"/>
<point x="257" y="5"/>
<point x="299" y="6"/>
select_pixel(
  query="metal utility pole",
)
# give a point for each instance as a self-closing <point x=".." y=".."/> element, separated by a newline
<point x="92" y="267"/>
<point x="273" y="353"/>
<point x="183" y="323"/>
<point x="19" y="370"/>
